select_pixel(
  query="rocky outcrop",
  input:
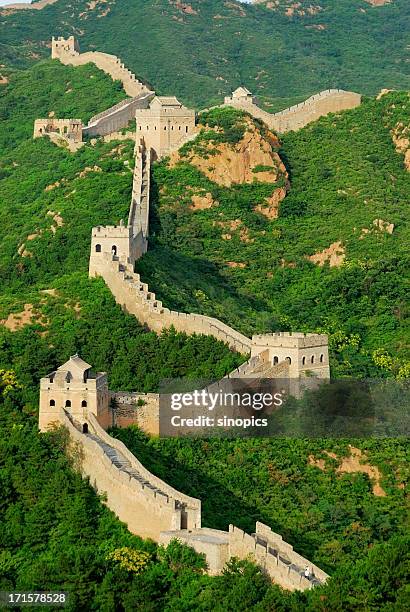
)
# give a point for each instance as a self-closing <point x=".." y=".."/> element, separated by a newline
<point x="334" y="255"/>
<point x="401" y="139"/>
<point x="253" y="158"/>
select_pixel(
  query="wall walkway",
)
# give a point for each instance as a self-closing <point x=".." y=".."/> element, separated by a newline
<point x="296" y="117"/>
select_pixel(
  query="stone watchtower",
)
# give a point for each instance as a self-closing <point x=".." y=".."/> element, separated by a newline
<point x="241" y="96"/>
<point x="165" y="125"/>
<point x="306" y="354"/>
<point x="75" y="388"/>
<point x="64" y="46"/>
<point x="110" y="241"/>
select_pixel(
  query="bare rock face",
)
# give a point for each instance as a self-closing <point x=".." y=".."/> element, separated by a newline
<point x="270" y="208"/>
<point x="378" y="2"/>
<point x="334" y="255"/>
<point x="252" y="158"/>
<point x="401" y="139"/>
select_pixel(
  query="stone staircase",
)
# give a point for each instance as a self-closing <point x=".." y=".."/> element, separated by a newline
<point x="139" y="210"/>
<point x="123" y="464"/>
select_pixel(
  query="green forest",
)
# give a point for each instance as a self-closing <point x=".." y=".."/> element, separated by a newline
<point x="49" y="201"/>
<point x="344" y="172"/>
<point x="203" y="49"/>
<point x="57" y="535"/>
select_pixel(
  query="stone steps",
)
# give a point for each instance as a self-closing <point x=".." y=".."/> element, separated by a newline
<point x="124" y="464"/>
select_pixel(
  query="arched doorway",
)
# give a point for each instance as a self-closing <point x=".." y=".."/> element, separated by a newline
<point x="85" y="428"/>
<point x="114" y="250"/>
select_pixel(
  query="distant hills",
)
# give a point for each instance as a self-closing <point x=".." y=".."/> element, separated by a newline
<point x="201" y="49"/>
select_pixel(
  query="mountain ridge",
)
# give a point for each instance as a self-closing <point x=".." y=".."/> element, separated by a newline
<point x="277" y="56"/>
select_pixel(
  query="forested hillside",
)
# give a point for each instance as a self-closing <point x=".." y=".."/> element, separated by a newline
<point x="49" y="201"/>
<point x="202" y="49"/>
<point x="57" y="535"/>
<point x="331" y="256"/>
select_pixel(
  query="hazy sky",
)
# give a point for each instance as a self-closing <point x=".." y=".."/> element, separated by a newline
<point x="3" y="2"/>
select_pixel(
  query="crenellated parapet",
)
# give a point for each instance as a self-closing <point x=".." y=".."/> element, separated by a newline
<point x="299" y="115"/>
<point x="77" y="398"/>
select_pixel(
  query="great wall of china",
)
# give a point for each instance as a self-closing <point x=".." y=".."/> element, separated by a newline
<point x="79" y="399"/>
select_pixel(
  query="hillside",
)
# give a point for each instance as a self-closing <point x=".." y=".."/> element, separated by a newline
<point x="236" y="215"/>
<point x="283" y="51"/>
<point x="49" y="201"/>
<point x="331" y="256"/>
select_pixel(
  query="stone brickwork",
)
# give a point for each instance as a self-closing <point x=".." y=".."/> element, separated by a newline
<point x="75" y="387"/>
<point x="149" y="506"/>
<point x="141" y="409"/>
<point x="118" y="116"/>
<point x="71" y="129"/>
<point x="68" y="52"/>
<point x="146" y="503"/>
<point x="296" y="117"/>
<point x="165" y="124"/>
<point x="305" y="353"/>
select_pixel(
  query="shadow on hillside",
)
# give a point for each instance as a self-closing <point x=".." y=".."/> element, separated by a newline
<point x="220" y="506"/>
<point x="193" y="284"/>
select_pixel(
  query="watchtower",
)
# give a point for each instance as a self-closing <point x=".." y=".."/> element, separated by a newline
<point x="75" y="388"/>
<point x="306" y="354"/>
<point x="165" y="125"/>
<point x="110" y="241"/>
<point x="64" y="46"/>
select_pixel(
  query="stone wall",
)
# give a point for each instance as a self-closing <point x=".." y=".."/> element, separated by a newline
<point x="67" y="51"/>
<point x="70" y="129"/>
<point x="306" y="353"/>
<point x="138" y="219"/>
<point x="141" y="409"/>
<point x="146" y="503"/>
<point x="136" y="298"/>
<point x="118" y="116"/>
<point x="296" y="117"/>
<point x="275" y="556"/>
<point x="153" y="509"/>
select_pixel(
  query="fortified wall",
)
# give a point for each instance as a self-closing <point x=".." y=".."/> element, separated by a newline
<point x="295" y="117"/>
<point x="78" y="398"/>
<point x="67" y="50"/>
<point x="117" y="117"/>
<point x="72" y="129"/>
<point x="165" y="125"/>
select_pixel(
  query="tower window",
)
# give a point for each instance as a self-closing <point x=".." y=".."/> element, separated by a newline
<point x="52" y="403"/>
<point x="84" y="404"/>
<point x="289" y="360"/>
<point x="312" y="359"/>
<point x="68" y="404"/>
<point x="275" y="360"/>
<point x="321" y="358"/>
<point x="98" y="248"/>
<point x="303" y="360"/>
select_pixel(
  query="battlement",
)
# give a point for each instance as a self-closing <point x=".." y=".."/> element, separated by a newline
<point x="299" y="115"/>
<point x="305" y="353"/>
<point x="290" y="339"/>
<point x="165" y="124"/>
<point x="111" y="231"/>
<point x="72" y="129"/>
<point x="62" y="46"/>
